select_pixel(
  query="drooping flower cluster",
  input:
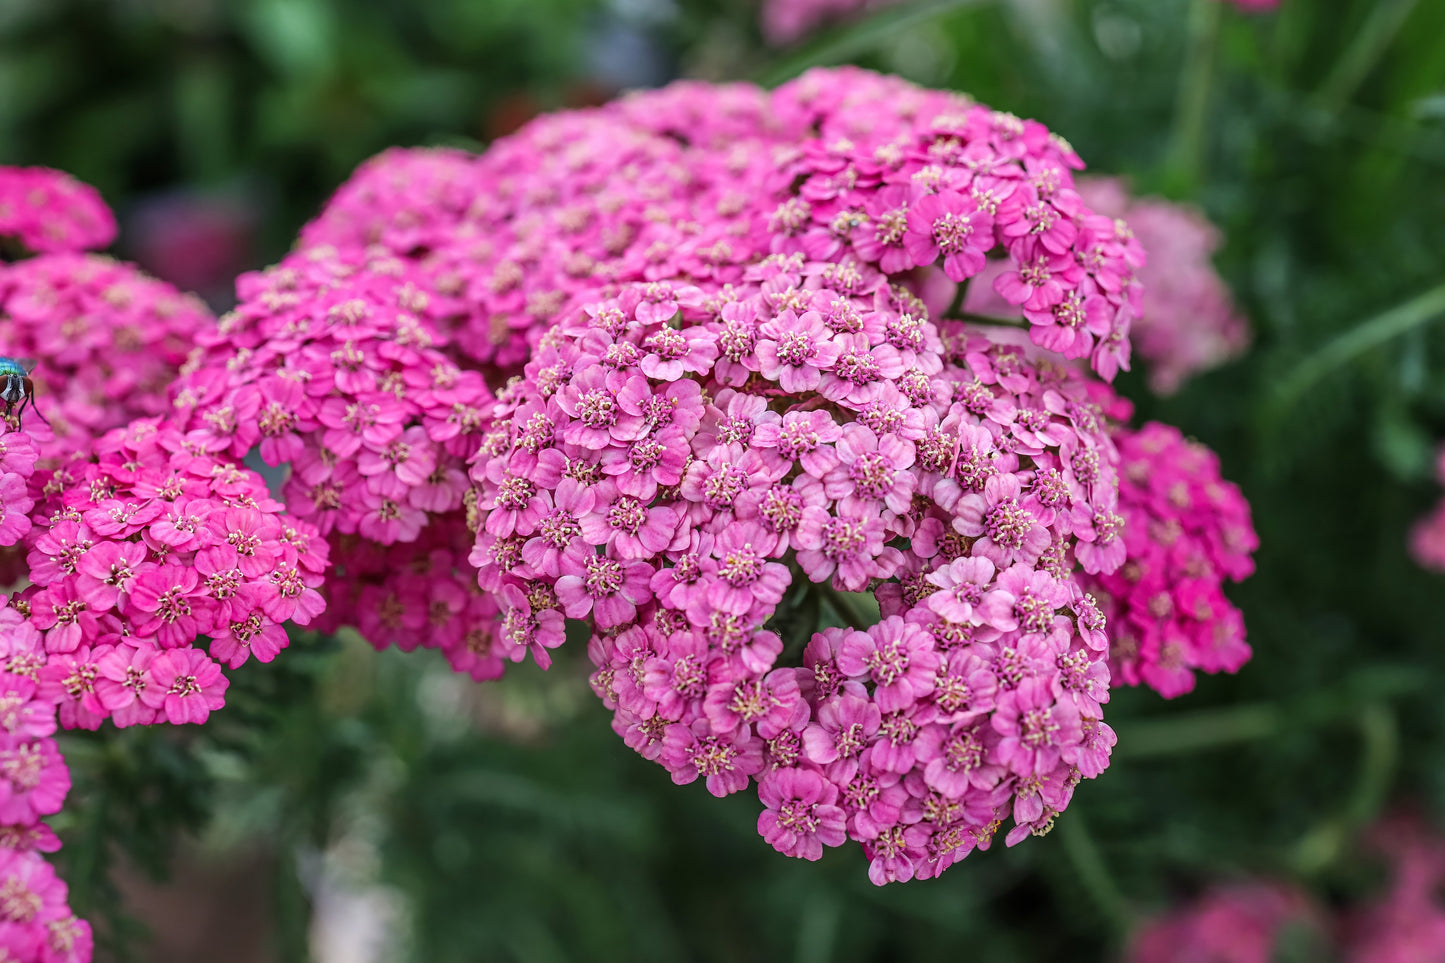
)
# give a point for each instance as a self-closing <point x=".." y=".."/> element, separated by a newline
<point x="328" y="365"/>
<point x="1427" y="538"/>
<point x="693" y="181"/>
<point x="141" y="550"/>
<point x="49" y="211"/>
<point x="1185" y="530"/>
<point x="680" y="460"/>
<point x="1187" y="321"/>
<point x="107" y="339"/>
<point x="1239" y="923"/>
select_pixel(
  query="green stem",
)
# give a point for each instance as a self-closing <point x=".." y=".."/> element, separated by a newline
<point x="848" y="42"/>
<point x="1091" y="869"/>
<point x="1364" y="52"/>
<point x="1195" y="80"/>
<point x="1368" y="689"/>
<point x="1380" y="751"/>
<point x="1359" y="339"/>
<point x="1193" y="731"/>
<point x="955" y="307"/>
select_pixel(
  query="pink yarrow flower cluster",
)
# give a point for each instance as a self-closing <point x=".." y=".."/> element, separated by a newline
<point x="1187" y="320"/>
<point x="652" y="475"/>
<point x="1185" y="531"/>
<point x="1427" y="537"/>
<point x="329" y="365"/>
<point x="49" y="211"/>
<point x="108" y="341"/>
<point x="141" y="551"/>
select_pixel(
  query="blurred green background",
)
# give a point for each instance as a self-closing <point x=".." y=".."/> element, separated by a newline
<point x="346" y="798"/>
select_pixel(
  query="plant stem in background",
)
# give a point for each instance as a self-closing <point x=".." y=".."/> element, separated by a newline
<point x="1190" y="731"/>
<point x="1379" y="754"/>
<point x="1357" y="340"/>
<point x="1092" y="871"/>
<point x="1369" y="45"/>
<point x="843" y="606"/>
<point x="848" y="42"/>
<point x="1358" y="696"/>
<point x="1192" y="105"/>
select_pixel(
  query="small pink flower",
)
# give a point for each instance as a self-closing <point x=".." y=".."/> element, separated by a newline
<point x="950" y="224"/>
<point x="185" y="686"/>
<point x="800" y="817"/>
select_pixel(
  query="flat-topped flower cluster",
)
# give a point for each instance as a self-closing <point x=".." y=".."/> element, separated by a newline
<point x="655" y="476"/>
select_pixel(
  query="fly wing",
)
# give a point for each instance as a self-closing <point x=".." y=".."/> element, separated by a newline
<point x="26" y="364"/>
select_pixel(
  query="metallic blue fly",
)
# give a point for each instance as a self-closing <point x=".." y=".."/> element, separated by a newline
<point x="16" y="387"/>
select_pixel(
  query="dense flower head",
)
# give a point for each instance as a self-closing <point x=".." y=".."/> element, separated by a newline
<point x="1427" y="537"/>
<point x="1185" y="530"/>
<point x="107" y="341"/>
<point x="329" y="365"/>
<point x="49" y="211"/>
<point x="143" y="549"/>
<point x="1187" y="321"/>
<point x="679" y="464"/>
<point x="1239" y="923"/>
<point x="697" y="181"/>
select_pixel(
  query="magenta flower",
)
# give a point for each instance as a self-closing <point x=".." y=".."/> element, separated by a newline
<point x="952" y="225"/>
<point x="962" y="584"/>
<point x="1033" y="728"/>
<point x="623" y="523"/>
<point x="805" y="437"/>
<point x="15" y="506"/>
<point x="184" y="686"/>
<point x="603" y="408"/>
<point x="871" y="469"/>
<point x="745" y="579"/>
<point x="795" y="350"/>
<point x="1006" y="529"/>
<point x="767" y="706"/>
<point x="36" y="779"/>
<point x="800" y="817"/>
<point x="726" y="764"/>
<point x="610" y="588"/>
<point x="122" y="675"/>
<point x="896" y="656"/>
